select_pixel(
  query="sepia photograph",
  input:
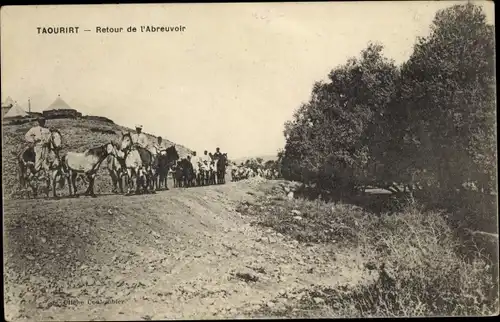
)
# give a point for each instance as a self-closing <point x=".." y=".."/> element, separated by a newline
<point x="249" y="160"/>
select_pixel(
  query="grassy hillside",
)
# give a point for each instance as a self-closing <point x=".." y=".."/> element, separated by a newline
<point x="78" y="135"/>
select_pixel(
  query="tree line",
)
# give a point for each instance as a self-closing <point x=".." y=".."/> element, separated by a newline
<point x="427" y="125"/>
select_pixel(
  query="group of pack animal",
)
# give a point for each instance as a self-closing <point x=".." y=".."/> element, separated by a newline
<point x="130" y="161"/>
<point x="195" y="171"/>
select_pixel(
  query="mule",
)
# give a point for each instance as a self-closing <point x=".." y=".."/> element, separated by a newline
<point x="184" y="174"/>
<point x="138" y="166"/>
<point x="222" y="163"/>
<point x="86" y="163"/>
<point x="212" y="173"/>
<point x="51" y="166"/>
<point x="116" y="169"/>
<point x="162" y="166"/>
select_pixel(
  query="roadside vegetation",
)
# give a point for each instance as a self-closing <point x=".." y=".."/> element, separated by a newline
<point x="425" y="131"/>
<point x="417" y="259"/>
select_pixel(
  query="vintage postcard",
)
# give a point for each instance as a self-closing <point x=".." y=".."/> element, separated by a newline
<point x="249" y="160"/>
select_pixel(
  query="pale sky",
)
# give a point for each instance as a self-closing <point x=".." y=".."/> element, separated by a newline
<point x="231" y="79"/>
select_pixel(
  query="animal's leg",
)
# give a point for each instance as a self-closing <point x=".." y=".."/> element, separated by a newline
<point x="90" y="189"/>
<point x="138" y="177"/>
<point x="34" y="188"/>
<point x="48" y="181"/>
<point x="120" y="182"/>
<point x="126" y="180"/>
<point x="132" y="181"/>
<point x="73" y="179"/>
<point x="54" y="176"/>
<point x="114" y="180"/>
<point x="87" y="192"/>
<point x="152" y="182"/>
<point x="165" y="179"/>
<point x="157" y="181"/>
<point x="129" y="181"/>
<point x="70" y="183"/>
<point x="146" y="182"/>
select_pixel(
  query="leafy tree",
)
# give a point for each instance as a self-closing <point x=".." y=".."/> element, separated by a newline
<point x="448" y="101"/>
<point x="326" y="143"/>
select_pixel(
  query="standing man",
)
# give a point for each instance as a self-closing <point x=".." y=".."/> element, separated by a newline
<point x="162" y="168"/>
<point x="205" y="166"/>
<point x="140" y="139"/>
<point x="206" y="158"/>
<point x="38" y="137"/>
<point x="195" y="161"/>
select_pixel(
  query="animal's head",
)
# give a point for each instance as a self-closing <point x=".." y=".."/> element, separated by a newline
<point x="118" y="152"/>
<point x="172" y="153"/>
<point x="126" y="141"/>
<point x="55" y="139"/>
<point x="111" y="149"/>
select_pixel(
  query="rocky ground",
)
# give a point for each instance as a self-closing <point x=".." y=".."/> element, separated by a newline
<point x="183" y="253"/>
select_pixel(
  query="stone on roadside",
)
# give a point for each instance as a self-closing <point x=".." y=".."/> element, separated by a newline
<point x="89" y="281"/>
<point x="318" y="300"/>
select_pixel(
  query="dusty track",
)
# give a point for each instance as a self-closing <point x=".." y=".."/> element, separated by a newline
<point x="183" y="253"/>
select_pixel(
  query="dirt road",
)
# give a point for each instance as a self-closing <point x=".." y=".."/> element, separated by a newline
<point x="183" y="253"/>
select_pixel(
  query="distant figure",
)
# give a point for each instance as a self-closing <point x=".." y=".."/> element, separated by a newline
<point x="195" y="162"/>
<point x="205" y="160"/>
<point x="38" y="137"/>
<point x="160" y="165"/>
<point x="217" y="154"/>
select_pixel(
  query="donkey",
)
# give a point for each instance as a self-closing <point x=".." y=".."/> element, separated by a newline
<point x="116" y="169"/>
<point x="51" y="166"/>
<point x="86" y="163"/>
<point x="138" y="164"/>
<point x="222" y="163"/>
<point x="164" y="160"/>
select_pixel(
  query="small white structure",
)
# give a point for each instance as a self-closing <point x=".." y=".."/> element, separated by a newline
<point x="15" y="112"/>
<point x="60" y="109"/>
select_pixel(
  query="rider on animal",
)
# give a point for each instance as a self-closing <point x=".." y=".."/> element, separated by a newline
<point x="159" y="146"/>
<point x="140" y="139"/>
